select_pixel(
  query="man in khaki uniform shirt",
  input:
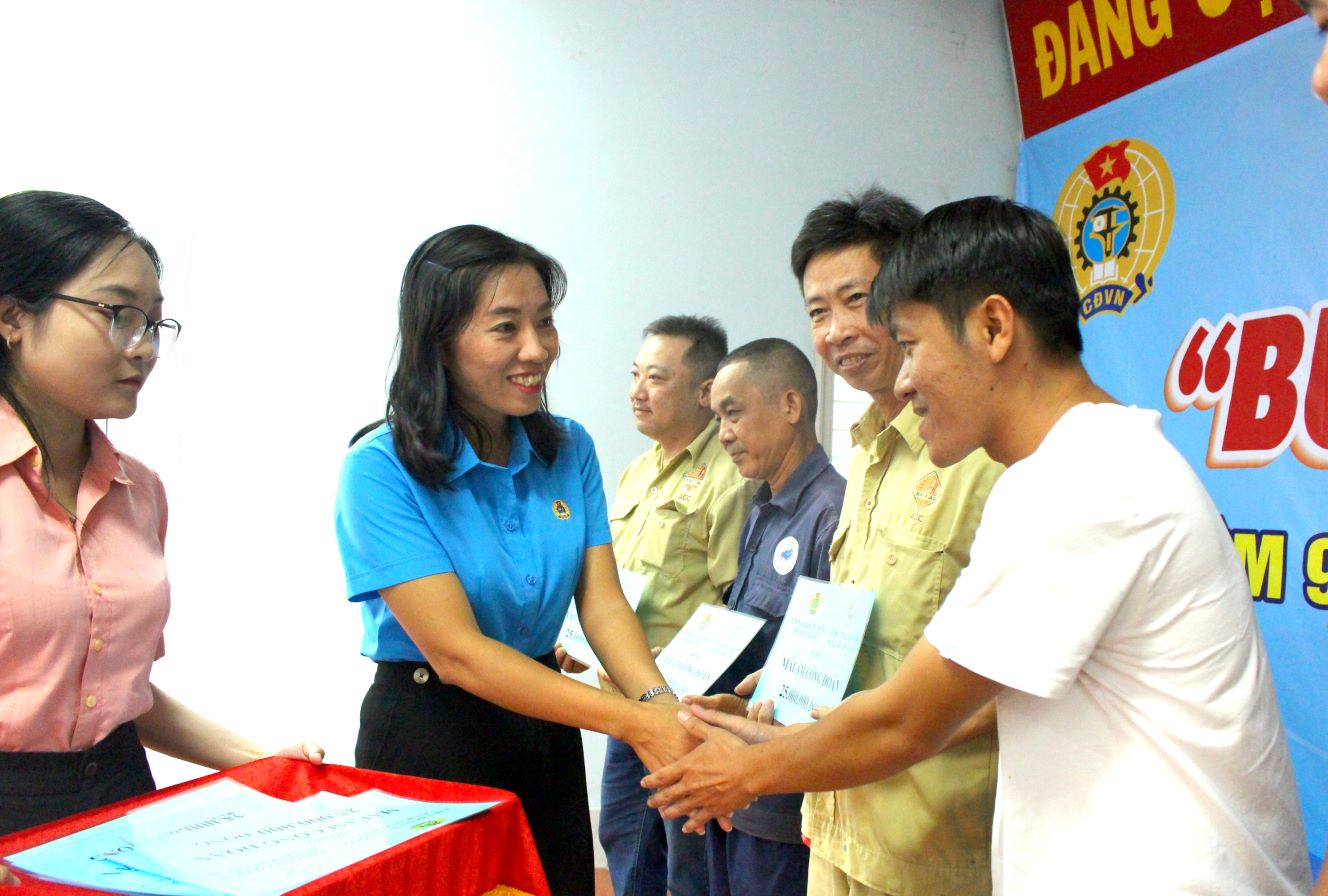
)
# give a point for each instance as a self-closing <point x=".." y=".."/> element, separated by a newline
<point x="676" y="518"/>
<point x="905" y="532"/>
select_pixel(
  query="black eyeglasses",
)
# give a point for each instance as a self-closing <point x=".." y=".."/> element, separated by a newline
<point x="130" y="324"/>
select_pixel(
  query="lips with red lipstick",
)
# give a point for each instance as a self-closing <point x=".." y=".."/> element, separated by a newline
<point x="527" y="383"/>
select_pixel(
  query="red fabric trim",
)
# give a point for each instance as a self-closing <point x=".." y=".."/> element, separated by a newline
<point x="473" y="856"/>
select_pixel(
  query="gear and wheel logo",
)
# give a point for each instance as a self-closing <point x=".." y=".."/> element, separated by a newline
<point x="1116" y="210"/>
<point x="1109" y="227"/>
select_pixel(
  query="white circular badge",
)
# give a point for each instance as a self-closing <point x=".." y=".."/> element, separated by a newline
<point x="786" y="555"/>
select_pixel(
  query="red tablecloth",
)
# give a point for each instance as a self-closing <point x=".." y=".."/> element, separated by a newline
<point x="466" y="858"/>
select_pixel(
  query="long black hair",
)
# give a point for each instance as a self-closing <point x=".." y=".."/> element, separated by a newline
<point x="439" y="292"/>
<point x="46" y="238"/>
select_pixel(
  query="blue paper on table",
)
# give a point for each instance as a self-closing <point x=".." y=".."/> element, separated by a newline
<point x="225" y="838"/>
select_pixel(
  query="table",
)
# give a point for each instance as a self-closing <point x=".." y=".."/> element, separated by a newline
<point x="468" y="858"/>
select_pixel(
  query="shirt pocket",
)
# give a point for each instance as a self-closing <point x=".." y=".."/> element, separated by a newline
<point x="913" y="570"/>
<point x="767" y="592"/>
<point x="673" y="540"/>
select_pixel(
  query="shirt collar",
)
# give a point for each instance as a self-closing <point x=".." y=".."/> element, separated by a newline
<point x="16" y="442"/>
<point x="466" y="459"/>
<point x="694" y="448"/>
<point x="872" y="425"/>
<point x="787" y="500"/>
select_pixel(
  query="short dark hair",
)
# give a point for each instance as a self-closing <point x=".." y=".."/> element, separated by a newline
<point x="439" y="291"/>
<point x="46" y="238"/>
<point x="872" y="218"/>
<point x="963" y="251"/>
<point x="781" y="364"/>
<point x="709" y="341"/>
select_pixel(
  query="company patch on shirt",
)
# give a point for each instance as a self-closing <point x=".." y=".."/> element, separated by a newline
<point x="561" y="510"/>
<point x="786" y="555"/>
<point x="690" y="483"/>
<point x="925" y="492"/>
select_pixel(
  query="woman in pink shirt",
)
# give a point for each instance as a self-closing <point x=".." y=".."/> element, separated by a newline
<point x="83" y="589"/>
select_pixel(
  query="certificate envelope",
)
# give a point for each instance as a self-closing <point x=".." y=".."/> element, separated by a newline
<point x="573" y="638"/>
<point x="814" y="652"/>
<point x="705" y="647"/>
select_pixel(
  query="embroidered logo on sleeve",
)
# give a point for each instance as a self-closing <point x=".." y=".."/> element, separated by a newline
<point x="690" y="483"/>
<point x="561" y="510"/>
<point x="786" y="555"/>
<point x="925" y="492"/>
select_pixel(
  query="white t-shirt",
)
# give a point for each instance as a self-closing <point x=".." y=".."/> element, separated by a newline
<point x="1141" y="747"/>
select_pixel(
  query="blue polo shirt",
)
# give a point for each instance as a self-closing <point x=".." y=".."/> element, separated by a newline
<point x="786" y="535"/>
<point x="515" y="536"/>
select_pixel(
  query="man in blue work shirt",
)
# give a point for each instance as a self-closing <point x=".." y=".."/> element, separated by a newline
<point x="765" y="397"/>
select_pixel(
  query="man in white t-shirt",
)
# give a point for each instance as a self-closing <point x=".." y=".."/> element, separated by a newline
<point x="1104" y="608"/>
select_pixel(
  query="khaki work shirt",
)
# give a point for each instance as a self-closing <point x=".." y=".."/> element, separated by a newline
<point x="679" y="524"/>
<point x="905" y="533"/>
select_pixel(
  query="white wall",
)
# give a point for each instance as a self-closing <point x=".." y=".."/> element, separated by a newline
<point x="287" y="158"/>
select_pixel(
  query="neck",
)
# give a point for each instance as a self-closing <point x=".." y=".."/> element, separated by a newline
<point x="797" y="452"/>
<point x="673" y="444"/>
<point x="888" y="404"/>
<point x="488" y="434"/>
<point x="1045" y="394"/>
<point x="64" y="436"/>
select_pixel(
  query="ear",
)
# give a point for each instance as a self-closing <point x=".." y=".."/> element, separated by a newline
<point x="703" y="393"/>
<point x="994" y="318"/>
<point x="790" y="405"/>
<point x="12" y="319"/>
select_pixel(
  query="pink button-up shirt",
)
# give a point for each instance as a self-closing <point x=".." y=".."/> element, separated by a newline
<point x="82" y="605"/>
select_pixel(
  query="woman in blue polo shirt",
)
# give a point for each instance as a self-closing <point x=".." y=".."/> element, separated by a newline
<point x="467" y="523"/>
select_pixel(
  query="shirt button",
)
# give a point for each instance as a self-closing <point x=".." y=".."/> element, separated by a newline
<point x="661" y="524"/>
<point x="869" y="503"/>
<point x="90" y="702"/>
<point x="97" y="645"/>
<point x="511" y="525"/>
<point x="421" y="675"/>
<point x="530" y="580"/>
<point x="654" y="489"/>
<point x="90" y="770"/>
<point x="890" y="560"/>
<point x="525" y="629"/>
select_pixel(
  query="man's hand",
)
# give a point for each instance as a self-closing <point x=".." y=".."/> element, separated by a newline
<point x="733" y="704"/>
<point x="567" y="662"/>
<point x="706" y="783"/>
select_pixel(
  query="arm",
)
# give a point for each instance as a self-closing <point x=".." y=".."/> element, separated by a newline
<point x="611" y="626"/>
<point x="435" y="612"/>
<point x="878" y="733"/>
<point x="174" y="729"/>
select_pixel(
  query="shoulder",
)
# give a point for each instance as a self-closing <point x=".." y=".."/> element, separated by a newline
<point x="141" y="476"/>
<point x="372" y="456"/>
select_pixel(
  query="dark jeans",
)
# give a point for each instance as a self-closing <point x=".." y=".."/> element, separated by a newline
<point x="647" y="855"/>
<point x="739" y="863"/>
<point x="435" y="730"/>
<point x="39" y="787"/>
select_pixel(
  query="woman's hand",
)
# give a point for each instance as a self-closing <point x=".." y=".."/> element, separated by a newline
<point x="307" y="750"/>
<point x="659" y="738"/>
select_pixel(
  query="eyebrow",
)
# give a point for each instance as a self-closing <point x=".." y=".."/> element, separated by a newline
<point x="838" y="289"/>
<point x="512" y="310"/>
<point x="727" y="401"/>
<point x="125" y="292"/>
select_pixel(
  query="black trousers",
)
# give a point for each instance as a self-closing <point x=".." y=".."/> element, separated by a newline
<point x="39" y="787"/>
<point x="413" y="724"/>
